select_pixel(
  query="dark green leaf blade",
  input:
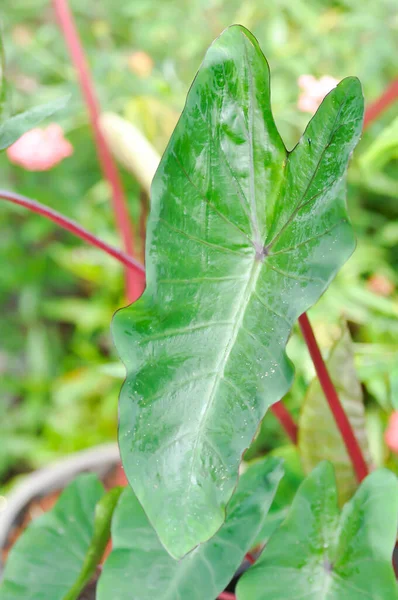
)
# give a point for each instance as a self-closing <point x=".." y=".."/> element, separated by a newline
<point x="58" y="553"/>
<point x="239" y="245"/>
<point x="319" y="437"/>
<point x="319" y="554"/>
<point x="205" y="572"/>
<point x="13" y="128"/>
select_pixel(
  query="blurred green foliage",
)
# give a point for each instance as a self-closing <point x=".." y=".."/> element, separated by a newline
<point x="59" y="372"/>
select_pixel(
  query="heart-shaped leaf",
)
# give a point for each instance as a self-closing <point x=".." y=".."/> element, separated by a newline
<point x="319" y="437"/>
<point x="206" y="571"/>
<point x="321" y="554"/>
<point x="13" y="128"/>
<point x="242" y="238"/>
<point x="58" y="553"/>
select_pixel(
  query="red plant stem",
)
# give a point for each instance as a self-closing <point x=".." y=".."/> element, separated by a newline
<point x="130" y="263"/>
<point x="144" y="204"/>
<point x="228" y="595"/>
<point x="110" y="172"/>
<point x="375" y="109"/>
<point x="278" y="409"/>
<point x="285" y="419"/>
<point x="350" y="441"/>
<point x="250" y="558"/>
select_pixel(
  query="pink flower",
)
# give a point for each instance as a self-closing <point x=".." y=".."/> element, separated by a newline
<point x="313" y="91"/>
<point x="391" y="434"/>
<point x="40" y="149"/>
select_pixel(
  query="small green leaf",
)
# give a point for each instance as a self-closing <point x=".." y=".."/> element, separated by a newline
<point x="102" y="531"/>
<point x="13" y="128"/>
<point x="58" y="553"/>
<point x="321" y="554"/>
<point x="243" y="237"/>
<point x="205" y="572"/>
<point x="319" y="437"/>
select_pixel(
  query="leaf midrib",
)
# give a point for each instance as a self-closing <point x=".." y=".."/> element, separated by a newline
<point x="249" y="125"/>
<point x="220" y="369"/>
<point x="246" y="297"/>
<point x="249" y="288"/>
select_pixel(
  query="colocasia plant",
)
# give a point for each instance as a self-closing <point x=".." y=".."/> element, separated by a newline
<point x="243" y="237"/>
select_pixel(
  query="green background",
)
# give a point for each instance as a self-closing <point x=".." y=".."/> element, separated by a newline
<point x="59" y="374"/>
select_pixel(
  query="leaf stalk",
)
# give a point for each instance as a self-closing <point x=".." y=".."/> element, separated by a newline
<point x="108" y="165"/>
<point x="374" y="110"/>
<point x="130" y="263"/>
<point x="285" y="419"/>
<point x="342" y="422"/>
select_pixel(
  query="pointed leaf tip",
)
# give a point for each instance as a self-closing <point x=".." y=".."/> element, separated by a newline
<point x="154" y="574"/>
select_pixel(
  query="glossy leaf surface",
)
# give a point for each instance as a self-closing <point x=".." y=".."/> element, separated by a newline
<point x="321" y="554"/>
<point x="319" y="437"/>
<point x="242" y="238"/>
<point x="58" y="553"/>
<point x="14" y="127"/>
<point x="206" y="571"/>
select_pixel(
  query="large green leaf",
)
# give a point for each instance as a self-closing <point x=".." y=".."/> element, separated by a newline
<point x="13" y="128"/>
<point x="320" y="554"/>
<point x="319" y="437"/>
<point x="206" y="571"/>
<point x="57" y="555"/>
<point x="242" y="238"/>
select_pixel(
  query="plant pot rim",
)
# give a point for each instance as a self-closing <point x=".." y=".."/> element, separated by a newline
<point x="57" y="475"/>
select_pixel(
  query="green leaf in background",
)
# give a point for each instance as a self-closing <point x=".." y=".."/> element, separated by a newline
<point x="206" y="571"/>
<point x="102" y="531"/>
<point x="373" y="163"/>
<point x="321" y="554"/>
<point x="58" y="554"/>
<point x="319" y="437"/>
<point x="382" y="150"/>
<point x="13" y="128"/>
<point x="377" y="368"/>
<point x="242" y="238"/>
<point x="3" y="85"/>
<point x="292" y="478"/>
